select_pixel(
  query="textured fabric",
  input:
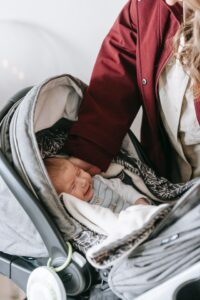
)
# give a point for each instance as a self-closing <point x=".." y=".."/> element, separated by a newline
<point x="44" y="142"/>
<point x="124" y="78"/>
<point x="160" y="187"/>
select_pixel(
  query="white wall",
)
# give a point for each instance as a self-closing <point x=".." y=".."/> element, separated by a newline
<point x="41" y="38"/>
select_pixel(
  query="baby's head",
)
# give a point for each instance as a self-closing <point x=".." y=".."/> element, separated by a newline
<point x="68" y="178"/>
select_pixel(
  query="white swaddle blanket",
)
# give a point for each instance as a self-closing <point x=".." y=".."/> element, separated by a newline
<point x="115" y="226"/>
<point x="102" y="220"/>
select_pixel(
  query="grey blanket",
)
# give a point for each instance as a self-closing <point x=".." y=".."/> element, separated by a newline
<point x="172" y="250"/>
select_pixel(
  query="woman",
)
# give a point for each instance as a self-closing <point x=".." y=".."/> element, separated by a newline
<point x="150" y="58"/>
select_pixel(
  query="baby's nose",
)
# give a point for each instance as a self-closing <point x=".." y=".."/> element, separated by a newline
<point x="83" y="181"/>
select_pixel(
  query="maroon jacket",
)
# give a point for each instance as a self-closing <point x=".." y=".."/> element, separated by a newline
<point x="125" y="77"/>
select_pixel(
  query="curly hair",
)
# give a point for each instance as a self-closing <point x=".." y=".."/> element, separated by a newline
<point x="189" y="53"/>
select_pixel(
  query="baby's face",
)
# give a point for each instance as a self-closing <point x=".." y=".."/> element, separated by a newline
<point x="70" y="179"/>
<point x="77" y="182"/>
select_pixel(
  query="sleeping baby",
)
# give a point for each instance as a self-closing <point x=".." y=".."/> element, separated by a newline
<point x="112" y="193"/>
<point x="113" y="212"/>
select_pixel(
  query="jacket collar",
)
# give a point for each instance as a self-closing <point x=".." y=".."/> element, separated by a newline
<point x="177" y="10"/>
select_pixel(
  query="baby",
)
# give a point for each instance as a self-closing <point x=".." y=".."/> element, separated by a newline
<point x="68" y="178"/>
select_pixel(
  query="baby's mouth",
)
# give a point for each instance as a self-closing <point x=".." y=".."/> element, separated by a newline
<point x="88" y="189"/>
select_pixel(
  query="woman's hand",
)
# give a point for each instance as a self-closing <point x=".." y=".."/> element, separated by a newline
<point x="93" y="170"/>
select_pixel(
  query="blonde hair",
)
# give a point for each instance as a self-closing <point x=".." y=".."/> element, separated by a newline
<point x="189" y="55"/>
<point x="54" y="168"/>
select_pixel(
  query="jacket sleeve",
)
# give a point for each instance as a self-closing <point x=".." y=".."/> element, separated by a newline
<point x="112" y="99"/>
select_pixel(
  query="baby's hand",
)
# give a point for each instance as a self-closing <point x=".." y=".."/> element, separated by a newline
<point x="142" y="201"/>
